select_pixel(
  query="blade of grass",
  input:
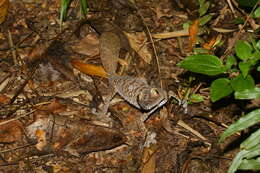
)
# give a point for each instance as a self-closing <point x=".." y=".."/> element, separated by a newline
<point x="84" y="7"/>
<point x="64" y="9"/>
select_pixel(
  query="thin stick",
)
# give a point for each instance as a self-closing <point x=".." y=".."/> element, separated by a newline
<point x="17" y="148"/>
<point x="154" y="50"/>
<point x="11" y="44"/>
<point x="16" y="118"/>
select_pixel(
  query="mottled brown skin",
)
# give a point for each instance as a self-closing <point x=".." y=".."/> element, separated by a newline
<point x="134" y="90"/>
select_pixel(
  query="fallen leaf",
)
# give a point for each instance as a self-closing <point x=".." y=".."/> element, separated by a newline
<point x="149" y="159"/>
<point x="10" y="132"/>
<point x="89" y="69"/>
<point x="97" y="138"/>
<point x="88" y="46"/>
<point x="37" y="52"/>
<point x="58" y="133"/>
<point x="4" y="4"/>
<point x="53" y="107"/>
<point x="137" y="42"/>
<point x="193" y="31"/>
<point x="210" y="45"/>
<point x="4" y="99"/>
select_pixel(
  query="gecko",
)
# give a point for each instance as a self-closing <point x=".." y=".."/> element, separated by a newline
<point x="135" y="90"/>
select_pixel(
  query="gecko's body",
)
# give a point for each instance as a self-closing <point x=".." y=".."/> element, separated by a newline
<point x="134" y="90"/>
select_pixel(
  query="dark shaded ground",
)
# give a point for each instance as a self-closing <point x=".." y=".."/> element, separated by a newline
<point x="49" y="102"/>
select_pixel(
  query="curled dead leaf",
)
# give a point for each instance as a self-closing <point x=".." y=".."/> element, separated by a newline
<point x="193" y="31"/>
<point x="89" y="69"/>
<point x="210" y="45"/>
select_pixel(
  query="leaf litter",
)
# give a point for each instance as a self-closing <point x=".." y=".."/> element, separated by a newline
<point x="47" y="120"/>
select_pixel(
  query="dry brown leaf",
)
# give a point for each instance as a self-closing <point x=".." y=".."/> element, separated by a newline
<point x="54" y="107"/>
<point x="89" y="69"/>
<point x="149" y="160"/>
<point x="212" y="42"/>
<point x="37" y="52"/>
<point x="137" y="42"/>
<point x="58" y="133"/>
<point x="10" y="132"/>
<point x="4" y="4"/>
<point x="4" y="99"/>
<point x="193" y="31"/>
<point x="88" y="46"/>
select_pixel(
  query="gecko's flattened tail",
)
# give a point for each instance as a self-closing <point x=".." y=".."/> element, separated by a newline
<point x="109" y="51"/>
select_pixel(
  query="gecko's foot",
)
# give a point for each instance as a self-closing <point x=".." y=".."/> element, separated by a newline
<point x="181" y="102"/>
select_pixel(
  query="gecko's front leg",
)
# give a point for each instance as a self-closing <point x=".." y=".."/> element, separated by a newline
<point x="104" y="108"/>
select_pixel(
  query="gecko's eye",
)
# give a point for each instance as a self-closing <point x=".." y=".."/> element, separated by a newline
<point x="154" y="92"/>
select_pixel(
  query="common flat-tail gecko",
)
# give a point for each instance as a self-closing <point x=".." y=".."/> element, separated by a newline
<point x="134" y="90"/>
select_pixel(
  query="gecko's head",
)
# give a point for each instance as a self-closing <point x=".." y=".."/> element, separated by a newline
<point x="151" y="97"/>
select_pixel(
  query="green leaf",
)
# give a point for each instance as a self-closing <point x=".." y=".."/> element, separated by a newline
<point x="240" y="83"/>
<point x="253" y="152"/>
<point x="204" y="64"/>
<point x="257" y="12"/>
<point x="255" y="58"/>
<point x="244" y="68"/>
<point x="243" y="123"/>
<point x="196" y="98"/>
<point x="64" y="9"/>
<point x="236" y="161"/>
<point x="84" y="7"/>
<point x="251" y="141"/>
<point x="239" y="20"/>
<point x="243" y="49"/>
<point x="258" y="44"/>
<point x="205" y="19"/>
<point x="247" y="3"/>
<point x="204" y="6"/>
<point x="231" y="60"/>
<point x="220" y="88"/>
<point x="258" y="68"/>
<point x="251" y="164"/>
<point x="253" y="93"/>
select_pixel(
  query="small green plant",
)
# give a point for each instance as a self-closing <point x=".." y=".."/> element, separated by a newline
<point x="204" y="6"/>
<point x="245" y="60"/>
<point x="242" y="63"/>
<point x="65" y="6"/>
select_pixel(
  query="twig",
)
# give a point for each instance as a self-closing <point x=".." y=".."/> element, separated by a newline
<point x="186" y="126"/>
<point x="238" y="34"/>
<point x="17" y="148"/>
<point x="16" y="118"/>
<point x="152" y="41"/>
<point x="11" y="44"/>
<point x="231" y="7"/>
